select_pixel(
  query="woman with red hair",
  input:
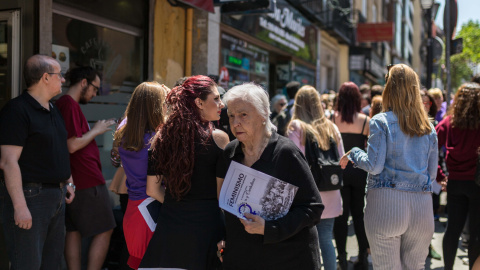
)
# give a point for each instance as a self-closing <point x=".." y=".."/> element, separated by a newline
<point x="187" y="156"/>
<point x="354" y="127"/>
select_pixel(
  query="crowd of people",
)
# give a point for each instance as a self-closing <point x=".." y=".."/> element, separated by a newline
<point x="173" y="148"/>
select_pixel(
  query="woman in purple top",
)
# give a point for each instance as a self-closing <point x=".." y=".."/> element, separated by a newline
<point x="145" y="112"/>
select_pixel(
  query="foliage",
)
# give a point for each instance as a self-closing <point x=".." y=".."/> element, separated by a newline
<point x="462" y="64"/>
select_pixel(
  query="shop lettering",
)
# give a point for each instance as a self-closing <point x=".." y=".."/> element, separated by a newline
<point x="236" y="189"/>
<point x="93" y="43"/>
<point x="285" y="18"/>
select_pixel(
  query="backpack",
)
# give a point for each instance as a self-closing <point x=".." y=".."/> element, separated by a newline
<point x="324" y="165"/>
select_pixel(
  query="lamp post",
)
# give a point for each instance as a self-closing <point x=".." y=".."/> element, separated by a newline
<point x="427" y="6"/>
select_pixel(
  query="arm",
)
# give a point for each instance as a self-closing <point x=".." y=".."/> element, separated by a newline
<point x="221" y="139"/>
<point x="13" y="182"/>
<point x="433" y="157"/>
<point x="374" y="160"/>
<point x="76" y="143"/>
<point x="340" y="147"/>
<point x="155" y="188"/>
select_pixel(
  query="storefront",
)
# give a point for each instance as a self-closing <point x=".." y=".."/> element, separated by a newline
<point x="269" y="49"/>
<point x="366" y="67"/>
<point x="111" y="36"/>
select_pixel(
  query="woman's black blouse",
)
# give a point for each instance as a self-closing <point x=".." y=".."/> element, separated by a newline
<point x="290" y="242"/>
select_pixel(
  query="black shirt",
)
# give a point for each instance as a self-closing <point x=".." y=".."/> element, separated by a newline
<point x="42" y="134"/>
<point x="290" y="242"/>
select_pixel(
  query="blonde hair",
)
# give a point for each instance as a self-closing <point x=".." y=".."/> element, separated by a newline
<point x="435" y="92"/>
<point x="402" y="97"/>
<point x="376" y="106"/>
<point x="145" y="113"/>
<point x="309" y="111"/>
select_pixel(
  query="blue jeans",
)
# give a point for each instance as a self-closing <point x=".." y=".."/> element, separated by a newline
<point x="40" y="247"/>
<point x="325" y="239"/>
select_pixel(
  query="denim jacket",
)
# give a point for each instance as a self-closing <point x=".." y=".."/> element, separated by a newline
<point x="396" y="160"/>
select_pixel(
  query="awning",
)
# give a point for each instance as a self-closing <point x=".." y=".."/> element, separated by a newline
<point x="206" y="5"/>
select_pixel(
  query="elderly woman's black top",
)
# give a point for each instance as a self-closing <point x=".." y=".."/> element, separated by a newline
<point x="290" y="242"/>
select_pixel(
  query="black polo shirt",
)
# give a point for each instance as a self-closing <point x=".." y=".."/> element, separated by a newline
<point x="42" y="134"/>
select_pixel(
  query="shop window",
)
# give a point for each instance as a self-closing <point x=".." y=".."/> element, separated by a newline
<point x="244" y="62"/>
<point x="119" y="58"/>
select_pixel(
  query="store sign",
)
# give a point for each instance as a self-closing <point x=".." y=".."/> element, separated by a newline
<point x="374" y="32"/>
<point x="284" y="28"/>
<point x="206" y="5"/>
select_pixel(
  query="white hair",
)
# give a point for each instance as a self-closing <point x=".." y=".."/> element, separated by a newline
<point x="254" y="95"/>
<point x="276" y="99"/>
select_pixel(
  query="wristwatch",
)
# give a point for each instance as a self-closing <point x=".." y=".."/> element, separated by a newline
<point x="72" y="185"/>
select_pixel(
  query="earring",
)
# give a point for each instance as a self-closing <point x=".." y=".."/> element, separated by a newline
<point x="264" y="123"/>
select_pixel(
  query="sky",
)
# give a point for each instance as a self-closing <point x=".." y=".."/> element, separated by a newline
<point x="467" y="9"/>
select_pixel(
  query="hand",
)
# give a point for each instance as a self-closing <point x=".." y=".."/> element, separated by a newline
<point x="102" y="126"/>
<point x="254" y="224"/>
<point x="70" y="195"/>
<point x="444" y="183"/>
<point x="220" y="247"/>
<point x="344" y="160"/>
<point x="23" y="218"/>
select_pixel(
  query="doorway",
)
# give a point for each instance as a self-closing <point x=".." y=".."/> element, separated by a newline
<point x="9" y="55"/>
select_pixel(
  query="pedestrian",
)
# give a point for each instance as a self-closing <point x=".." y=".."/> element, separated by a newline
<point x="459" y="132"/>
<point x="376" y="106"/>
<point x="309" y="121"/>
<point x="187" y="155"/>
<point x="91" y="214"/>
<point x="144" y="114"/>
<point x="278" y="105"/>
<point x="354" y="127"/>
<point x="289" y="242"/>
<point x="34" y="159"/>
<point x="401" y="160"/>
<point x="282" y="119"/>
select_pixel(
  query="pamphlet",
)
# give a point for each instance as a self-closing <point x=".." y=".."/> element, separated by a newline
<point x="246" y="190"/>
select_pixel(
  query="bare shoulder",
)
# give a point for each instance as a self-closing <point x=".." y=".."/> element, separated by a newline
<point x="220" y="138"/>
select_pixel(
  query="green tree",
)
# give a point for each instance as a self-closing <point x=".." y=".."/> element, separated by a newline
<point x="462" y="64"/>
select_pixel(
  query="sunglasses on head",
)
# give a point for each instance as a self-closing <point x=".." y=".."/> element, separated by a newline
<point x="388" y="71"/>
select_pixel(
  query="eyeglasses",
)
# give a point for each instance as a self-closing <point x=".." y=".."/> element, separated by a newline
<point x="97" y="89"/>
<point x="59" y="74"/>
<point x="427" y="103"/>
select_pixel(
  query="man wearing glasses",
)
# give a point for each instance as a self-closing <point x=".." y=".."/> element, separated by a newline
<point x="34" y="159"/>
<point x="91" y="213"/>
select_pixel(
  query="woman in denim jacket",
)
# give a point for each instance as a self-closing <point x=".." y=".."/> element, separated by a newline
<point x="401" y="161"/>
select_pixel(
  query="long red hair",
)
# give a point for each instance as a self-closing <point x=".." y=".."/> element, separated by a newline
<point x="174" y="144"/>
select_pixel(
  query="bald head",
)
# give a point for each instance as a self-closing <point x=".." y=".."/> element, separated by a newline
<point x="36" y="66"/>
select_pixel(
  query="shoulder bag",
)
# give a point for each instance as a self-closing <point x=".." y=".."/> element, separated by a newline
<point x="324" y="165"/>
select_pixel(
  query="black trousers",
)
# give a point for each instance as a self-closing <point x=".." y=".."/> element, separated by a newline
<point x="463" y="199"/>
<point x="353" y="197"/>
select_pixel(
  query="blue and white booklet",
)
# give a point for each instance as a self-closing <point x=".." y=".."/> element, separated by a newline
<point x="246" y="190"/>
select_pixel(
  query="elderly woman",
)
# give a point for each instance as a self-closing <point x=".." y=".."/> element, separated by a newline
<point x="401" y="161"/>
<point x="289" y="242"/>
<point x="277" y="105"/>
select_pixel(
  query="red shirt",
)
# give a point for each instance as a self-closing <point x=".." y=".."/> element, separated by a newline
<point x="461" y="145"/>
<point x="84" y="163"/>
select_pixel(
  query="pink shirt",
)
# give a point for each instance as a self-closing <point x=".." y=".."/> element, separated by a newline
<point x="331" y="199"/>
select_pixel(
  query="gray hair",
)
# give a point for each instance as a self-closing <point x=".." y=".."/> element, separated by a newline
<point x="254" y="95"/>
<point x="276" y="99"/>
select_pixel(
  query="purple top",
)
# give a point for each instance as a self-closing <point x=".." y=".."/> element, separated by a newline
<point x="135" y="165"/>
<point x="441" y="112"/>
